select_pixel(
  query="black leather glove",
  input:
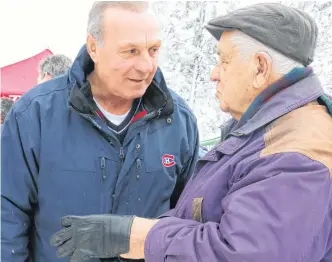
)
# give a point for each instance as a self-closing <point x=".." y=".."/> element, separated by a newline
<point x="85" y="237"/>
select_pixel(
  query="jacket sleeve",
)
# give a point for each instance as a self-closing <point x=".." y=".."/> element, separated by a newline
<point x="18" y="187"/>
<point x="277" y="217"/>
<point x="189" y="166"/>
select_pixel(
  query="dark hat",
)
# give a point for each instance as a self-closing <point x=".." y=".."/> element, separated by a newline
<point x="285" y="29"/>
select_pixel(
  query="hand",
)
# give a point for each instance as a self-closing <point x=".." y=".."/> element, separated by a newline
<point x="85" y="237"/>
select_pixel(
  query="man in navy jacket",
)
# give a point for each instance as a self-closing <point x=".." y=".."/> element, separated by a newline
<point x="108" y="137"/>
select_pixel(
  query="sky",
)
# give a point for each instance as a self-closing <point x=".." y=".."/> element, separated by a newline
<point x="29" y="27"/>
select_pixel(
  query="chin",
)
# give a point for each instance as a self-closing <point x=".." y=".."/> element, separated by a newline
<point x="224" y="107"/>
<point x="136" y="94"/>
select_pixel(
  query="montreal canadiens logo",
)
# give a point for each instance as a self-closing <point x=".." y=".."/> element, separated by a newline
<point x="168" y="160"/>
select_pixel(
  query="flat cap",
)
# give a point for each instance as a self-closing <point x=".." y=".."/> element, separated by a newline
<point x="285" y="29"/>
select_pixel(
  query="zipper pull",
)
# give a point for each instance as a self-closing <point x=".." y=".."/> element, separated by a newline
<point x="102" y="162"/>
<point x="138" y="163"/>
<point x="121" y="153"/>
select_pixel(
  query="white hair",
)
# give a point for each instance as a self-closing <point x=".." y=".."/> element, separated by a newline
<point x="54" y="65"/>
<point x="95" y="21"/>
<point x="249" y="46"/>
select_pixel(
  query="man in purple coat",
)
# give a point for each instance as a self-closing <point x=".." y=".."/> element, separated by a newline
<point x="264" y="193"/>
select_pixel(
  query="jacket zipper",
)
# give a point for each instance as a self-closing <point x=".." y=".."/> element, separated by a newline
<point x="138" y="163"/>
<point x="103" y="167"/>
<point x="121" y="155"/>
<point x="138" y="168"/>
<point x="117" y="177"/>
<point x="103" y="177"/>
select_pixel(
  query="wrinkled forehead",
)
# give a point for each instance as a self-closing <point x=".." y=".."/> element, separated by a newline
<point x="225" y="46"/>
<point x="123" y="26"/>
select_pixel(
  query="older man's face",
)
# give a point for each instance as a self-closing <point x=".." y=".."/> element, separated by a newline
<point x="126" y="61"/>
<point x="234" y="78"/>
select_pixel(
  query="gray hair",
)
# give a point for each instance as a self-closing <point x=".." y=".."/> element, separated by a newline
<point x="6" y="105"/>
<point x="249" y="46"/>
<point x="54" y="65"/>
<point x="95" y="25"/>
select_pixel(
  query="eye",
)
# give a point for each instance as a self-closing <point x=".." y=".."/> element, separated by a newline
<point x="132" y="51"/>
<point x="153" y="51"/>
<point x="219" y="64"/>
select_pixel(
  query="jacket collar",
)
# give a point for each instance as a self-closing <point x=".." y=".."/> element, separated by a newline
<point x="285" y="100"/>
<point x="157" y="96"/>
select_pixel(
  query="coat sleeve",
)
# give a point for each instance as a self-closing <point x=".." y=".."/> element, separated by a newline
<point x="277" y="217"/>
<point x="18" y="187"/>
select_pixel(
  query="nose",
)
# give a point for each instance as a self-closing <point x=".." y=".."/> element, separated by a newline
<point x="215" y="76"/>
<point x="145" y="63"/>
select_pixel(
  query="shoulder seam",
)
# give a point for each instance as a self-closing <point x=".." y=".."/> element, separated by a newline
<point x="33" y="98"/>
<point x="186" y="108"/>
<point x="298" y="151"/>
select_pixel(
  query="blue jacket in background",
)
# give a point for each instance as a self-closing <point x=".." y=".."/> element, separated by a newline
<point x="59" y="158"/>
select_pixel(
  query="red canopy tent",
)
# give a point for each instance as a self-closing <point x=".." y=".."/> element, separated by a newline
<point x="18" y="78"/>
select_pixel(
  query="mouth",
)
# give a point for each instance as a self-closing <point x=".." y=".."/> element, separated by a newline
<point x="136" y="80"/>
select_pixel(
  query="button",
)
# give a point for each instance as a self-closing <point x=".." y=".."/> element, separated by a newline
<point x="138" y="146"/>
<point x="104" y="177"/>
<point x="169" y="120"/>
<point x="137" y="176"/>
<point x="113" y="195"/>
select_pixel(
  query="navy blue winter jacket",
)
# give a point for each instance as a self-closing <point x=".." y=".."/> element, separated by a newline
<point x="60" y="158"/>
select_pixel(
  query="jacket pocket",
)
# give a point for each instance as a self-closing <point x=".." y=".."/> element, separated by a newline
<point x="156" y="159"/>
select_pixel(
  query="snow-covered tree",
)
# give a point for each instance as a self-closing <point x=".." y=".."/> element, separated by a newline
<point x="188" y="52"/>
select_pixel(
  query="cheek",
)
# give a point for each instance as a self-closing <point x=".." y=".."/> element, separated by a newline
<point x="226" y="80"/>
<point x="118" y="68"/>
<point x="230" y="86"/>
<point x="155" y="67"/>
<point x="104" y="64"/>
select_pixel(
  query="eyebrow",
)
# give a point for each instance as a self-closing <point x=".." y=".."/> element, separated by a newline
<point x="218" y="50"/>
<point x="223" y="55"/>
<point x="132" y="44"/>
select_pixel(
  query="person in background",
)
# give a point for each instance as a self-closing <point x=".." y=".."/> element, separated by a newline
<point x="6" y="105"/>
<point x="264" y="194"/>
<point x="107" y="137"/>
<point x="53" y="66"/>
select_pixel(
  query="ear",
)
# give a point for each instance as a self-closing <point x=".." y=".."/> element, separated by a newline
<point x="43" y="78"/>
<point x="47" y="77"/>
<point x="91" y="46"/>
<point x="262" y="69"/>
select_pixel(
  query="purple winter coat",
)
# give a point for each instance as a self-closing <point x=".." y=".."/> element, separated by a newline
<point x="263" y="194"/>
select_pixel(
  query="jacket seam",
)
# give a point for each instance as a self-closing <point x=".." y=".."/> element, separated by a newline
<point x="285" y="111"/>
<point x="33" y="98"/>
<point x="307" y="249"/>
<point x="187" y="109"/>
<point x="192" y="153"/>
<point x="299" y="151"/>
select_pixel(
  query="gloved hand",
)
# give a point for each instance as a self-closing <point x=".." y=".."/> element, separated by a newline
<point x="85" y="237"/>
